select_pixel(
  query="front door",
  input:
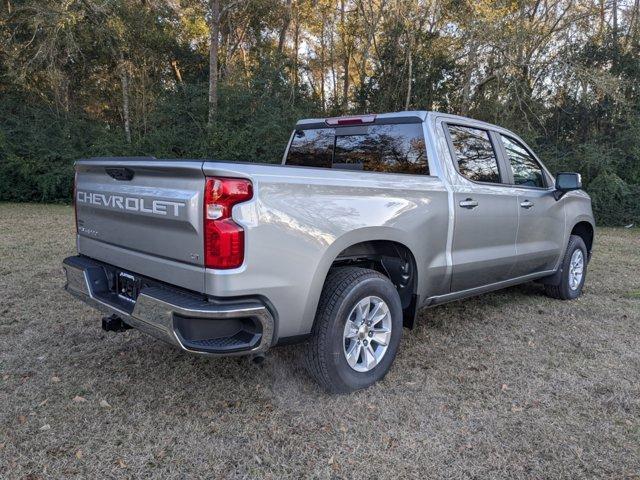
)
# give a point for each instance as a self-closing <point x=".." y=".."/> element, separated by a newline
<point x="540" y="238"/>
<point x="541" y="232"/>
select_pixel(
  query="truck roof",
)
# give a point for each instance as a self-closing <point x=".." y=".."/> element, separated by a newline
<point x="406" y="116"/>
<point x="378" y="118"/>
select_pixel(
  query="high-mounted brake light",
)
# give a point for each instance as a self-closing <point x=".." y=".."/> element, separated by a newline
<point x="224" y="238"/>
<point x="356" y="120"/>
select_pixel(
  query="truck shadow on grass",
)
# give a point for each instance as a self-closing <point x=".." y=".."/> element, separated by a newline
<point x="159" y="370"/>
<point x="496" y="306"/>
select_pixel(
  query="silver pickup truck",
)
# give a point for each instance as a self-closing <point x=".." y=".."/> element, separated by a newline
<point x="367" y="220"/>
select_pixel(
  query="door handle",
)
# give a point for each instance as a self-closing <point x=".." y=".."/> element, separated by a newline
<point x="527" y="204"/>
<point x="468" y="203"/>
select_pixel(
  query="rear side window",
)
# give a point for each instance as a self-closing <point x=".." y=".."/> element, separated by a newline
<point x="379" y="148"/>
<point x="474" y="153"/>
<point x="526" y="170"/>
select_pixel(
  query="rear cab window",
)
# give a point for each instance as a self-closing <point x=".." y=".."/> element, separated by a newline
<point x="391" y="148"/>
<point x="311" y="148"/>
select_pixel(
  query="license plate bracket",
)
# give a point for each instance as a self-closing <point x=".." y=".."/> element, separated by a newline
<point x="128" y="286"/>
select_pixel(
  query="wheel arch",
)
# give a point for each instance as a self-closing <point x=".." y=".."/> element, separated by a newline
<point x="586" y="231"/>
<point x="582" y="227"/>
<point x="383" y="250"/>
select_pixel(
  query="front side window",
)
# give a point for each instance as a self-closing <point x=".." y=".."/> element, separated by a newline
<point x="474" y="153"/>
<point x="398" y="148"/>
<point x="526" y="170"/>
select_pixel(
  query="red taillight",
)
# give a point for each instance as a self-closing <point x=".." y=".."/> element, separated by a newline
<point x="357" y="120"/>
<point x="224" y="238"/>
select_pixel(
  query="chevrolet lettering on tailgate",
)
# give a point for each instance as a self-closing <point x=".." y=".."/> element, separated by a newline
<point x="133" y="204"/>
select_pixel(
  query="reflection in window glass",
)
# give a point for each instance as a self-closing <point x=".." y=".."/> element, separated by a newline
<point x="526" y="171"/>
<point x="311" y="148"/>
<point x="476" y="158"/>
<point x="396" y="148"/>
<point x="385" y="148"/>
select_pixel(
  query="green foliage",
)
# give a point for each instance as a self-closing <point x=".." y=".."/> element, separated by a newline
<point x="37" y="164"/>
<point x="37" y="151"/>
<point x="614" y="202"/>
<point x="560" y="74"/>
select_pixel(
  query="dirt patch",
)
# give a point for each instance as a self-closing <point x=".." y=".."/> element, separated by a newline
<point x="507" y="385"/>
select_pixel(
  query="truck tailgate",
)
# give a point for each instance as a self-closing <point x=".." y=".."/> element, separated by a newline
<point x="143" y="215"/>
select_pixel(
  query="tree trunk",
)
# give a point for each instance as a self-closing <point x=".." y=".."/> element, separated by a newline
<point x="214" y="31"/>
<point x="466" y="89"/>
<point x="634" y="24"/>
<point x="345" y="60"/>
<point x="614" y="15"/>
<point x="124" y="78"/>
<point x="409" y="75"/>
<point x="176" y="71"/>
<point x="332" y="61"/>
<point x="143" y="107"/>
<point x="322" y="68"/>
<point x="245" y="66"/>
<point x="345" y="85"/>
<point x="296" y="46"/>
<point x="285" y="26"/>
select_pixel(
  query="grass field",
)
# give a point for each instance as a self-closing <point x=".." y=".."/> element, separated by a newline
<point x="508" y="385"/>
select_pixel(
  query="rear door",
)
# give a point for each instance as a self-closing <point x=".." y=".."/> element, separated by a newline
<point x="144" y="215"/>
<point x="486" y="212"/>
<point x="541" y="229"/>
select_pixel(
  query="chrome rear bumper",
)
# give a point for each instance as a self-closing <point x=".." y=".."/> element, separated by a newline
<point x="187" y="321"/>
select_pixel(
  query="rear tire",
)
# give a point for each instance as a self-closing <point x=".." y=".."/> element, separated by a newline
<point x="357" y="330"/>
<point x="573" y="271"/>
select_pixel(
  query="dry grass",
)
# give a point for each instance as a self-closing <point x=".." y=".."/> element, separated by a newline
<point x="508" y="385"/>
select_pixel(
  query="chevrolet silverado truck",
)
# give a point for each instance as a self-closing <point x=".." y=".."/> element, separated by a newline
<point x="367" y="220"/>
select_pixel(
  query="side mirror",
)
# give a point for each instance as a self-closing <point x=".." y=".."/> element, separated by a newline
<point x="565" y="182"/>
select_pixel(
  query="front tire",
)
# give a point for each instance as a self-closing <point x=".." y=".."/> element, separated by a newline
<point x="357" y="330"/>
<point x="573" y="271"/>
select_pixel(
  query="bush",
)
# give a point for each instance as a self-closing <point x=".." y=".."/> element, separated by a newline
<point x="28" y="180"/>
<point x="614" y="201"/>
<point x="38" y="145"/>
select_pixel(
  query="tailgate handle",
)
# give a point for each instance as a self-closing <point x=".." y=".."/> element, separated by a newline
<point x="120" y="173"/>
